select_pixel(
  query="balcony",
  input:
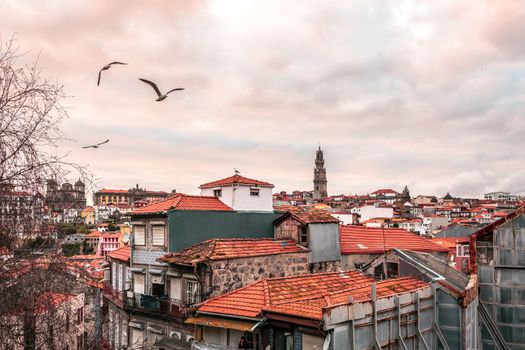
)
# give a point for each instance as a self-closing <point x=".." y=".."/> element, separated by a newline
<point x="158" y="306"/>
<point x="116" y="296"/>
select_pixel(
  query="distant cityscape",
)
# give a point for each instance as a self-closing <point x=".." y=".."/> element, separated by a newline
<point x="239" y="261"/>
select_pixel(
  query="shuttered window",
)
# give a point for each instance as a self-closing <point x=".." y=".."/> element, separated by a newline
<point x="120" y="277"/>
<point x="114" y="282"/>
<point x="158" y="235"/>
<point x="138" y="283"/>
<point x="139" y="233"/>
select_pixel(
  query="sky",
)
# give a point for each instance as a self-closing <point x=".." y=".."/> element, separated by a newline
<point x="429" y="94"/>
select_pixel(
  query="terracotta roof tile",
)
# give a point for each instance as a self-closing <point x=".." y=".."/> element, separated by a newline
<point x="184" y="202"/>
<point x="236" y="179"/>
<point x="122" y="253"/>
<point x="106" y="190"/>
<point x="385" y="190"/>
<point x="307" y="215"/>
<point x="304" y="296"/>
<point x="232" y="248"/>
<point x="93" y="234"/>
<point x="450" y="242"/>
<point x="366" y="240"/>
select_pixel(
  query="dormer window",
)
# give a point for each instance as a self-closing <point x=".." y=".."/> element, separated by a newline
<point x="217" y="193"/>
<point x="254" y="192"/>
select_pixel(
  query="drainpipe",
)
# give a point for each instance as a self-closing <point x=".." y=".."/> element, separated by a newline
<point x="374" y="308"/>
<point x="234" y="187"/>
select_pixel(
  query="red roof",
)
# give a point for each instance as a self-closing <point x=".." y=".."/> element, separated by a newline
<point x="384" y="191"/>
<point x="304" y="295"/>
<point x="367" y="240"/>
<point x="122" y="253"/>
<point x="105" y="190"/>
<point x="306" y="215"/>
<point x="236" y="179"/>
<point x="450" y="242"/>
<point x="184" y="202"/>
<point x="93" y="234"/>
<point x="232" y="248"/>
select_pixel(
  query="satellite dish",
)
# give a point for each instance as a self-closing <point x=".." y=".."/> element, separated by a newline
<point x="326" y="344"/>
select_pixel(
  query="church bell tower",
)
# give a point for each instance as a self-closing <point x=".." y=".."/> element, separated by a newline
<point x="320" y="182"/>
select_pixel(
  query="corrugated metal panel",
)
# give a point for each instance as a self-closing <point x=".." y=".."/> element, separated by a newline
<point x="189" y="227"/>
<point x="324" y="242"/>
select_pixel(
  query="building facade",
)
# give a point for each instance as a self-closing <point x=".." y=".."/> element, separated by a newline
<point x="320" y="181"/>
<point x="67" y="196"/>
<point x="135" y="196"/>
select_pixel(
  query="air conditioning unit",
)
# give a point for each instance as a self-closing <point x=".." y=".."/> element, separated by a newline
<point x="175" y="335"/>
<point x="189" y="338"/>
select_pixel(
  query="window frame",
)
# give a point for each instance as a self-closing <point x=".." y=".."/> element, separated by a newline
<point x="255" y="192"/>
<point x="217" y="192"/>
<point x="163" y="235"/>
<point x="143" y="235"/>
<point x="190" y="298"/>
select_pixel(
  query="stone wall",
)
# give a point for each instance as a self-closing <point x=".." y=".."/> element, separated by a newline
<point x="325" y="266"/>
<point x="289" y="228"/>
<point x="228" y="275"/>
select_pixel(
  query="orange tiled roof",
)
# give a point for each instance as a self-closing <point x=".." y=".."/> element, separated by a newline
<point x="106" y="190"/>
<point x="236" y="179"/>
<point x="184" y="202"/>
<point x="385" y="190"/>
<point x="450" y="242"/>
<point x="304" y="295"/>
<point x="122" y="253"/>
<point x="93" y="234"/>
<point x="307" y="215"/>
<point x="366" y="240"/>
<point x="232" y="248"/>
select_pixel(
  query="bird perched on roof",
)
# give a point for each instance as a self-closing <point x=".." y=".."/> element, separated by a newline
<point x="159" y="94"/>
<point x="236" y="171"/>
<point x="97" y="145"/>
<point x="106" y="67"/>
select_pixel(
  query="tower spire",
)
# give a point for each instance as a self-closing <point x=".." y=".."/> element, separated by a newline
<point x="320" y="182"/>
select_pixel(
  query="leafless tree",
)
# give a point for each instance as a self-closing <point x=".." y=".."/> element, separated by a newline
<point x="31" y="111"/>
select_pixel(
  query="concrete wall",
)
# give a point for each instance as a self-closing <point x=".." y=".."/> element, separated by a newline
<point x="239" y="197"/>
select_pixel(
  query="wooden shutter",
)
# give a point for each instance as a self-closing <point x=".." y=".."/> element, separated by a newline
<point x="158" y="235"/>
<point x="139" y="233"/>
<point x="138" y="283"/>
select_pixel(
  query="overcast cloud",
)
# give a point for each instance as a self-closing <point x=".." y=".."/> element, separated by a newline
<point x="425" y="93"/>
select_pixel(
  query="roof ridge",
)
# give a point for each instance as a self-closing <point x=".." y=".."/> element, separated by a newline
<point x="266" y="290"/>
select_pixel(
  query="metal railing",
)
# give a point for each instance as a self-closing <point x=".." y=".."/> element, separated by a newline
<point x="160" y="306"/>
<point x="115" y="295"/>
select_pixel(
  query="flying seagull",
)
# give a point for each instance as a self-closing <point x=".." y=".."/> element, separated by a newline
<point x="98" y="144"/>
<point x="154" y="86"/>
<point x="106" y="67"/>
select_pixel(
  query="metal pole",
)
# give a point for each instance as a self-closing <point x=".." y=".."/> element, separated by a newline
<point x="399" y="336"/>
<point x="374" y="307"/>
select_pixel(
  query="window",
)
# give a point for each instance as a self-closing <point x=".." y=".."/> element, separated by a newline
<point x="139" y="233"/>
<point x="192" y="289"/>
<point x="217" y="193"/>
<point x="67" y="321"/>
<point x="138" y="283"/>
<point x="462" y="250"/>
<point x="80" y="342"/>
<point x="80" y="315"/>
<point x="254" y="192"/>
<point x="392" y="270"/>
<point x="303" y="235"/>
<point x="158" y="235"/>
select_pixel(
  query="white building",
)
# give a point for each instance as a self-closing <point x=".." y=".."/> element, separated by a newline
<point x="367" y="212"/>
<point x="432" y="224"/>
<point x="241" y="193"/>
<point x="500" y="196"/>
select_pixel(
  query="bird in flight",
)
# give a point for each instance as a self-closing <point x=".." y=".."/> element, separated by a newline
<point x="96" y="146"/>
<point x="106" y="67"/>
<point x="159" y="94"/>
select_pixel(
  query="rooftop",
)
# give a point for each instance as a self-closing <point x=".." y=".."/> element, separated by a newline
<point x="303" y="296"/>
<point x="221" y="249"/>
<point x="184" y="202"/>
<point x="122" y="253"/>
<point x="384" y="191"/>
<point x="367" y="240"/>
<point x="236" y="179"/>
<point x="306" y="215"/>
